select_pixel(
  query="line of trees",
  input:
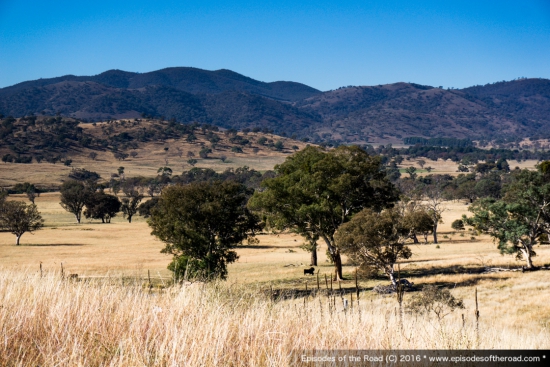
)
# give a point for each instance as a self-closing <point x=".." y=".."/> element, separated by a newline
<point x="77" y="195"/>
<point x="345" y="198"/>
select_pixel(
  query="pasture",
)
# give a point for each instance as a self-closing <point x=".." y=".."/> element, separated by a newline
<point x="121" y="248"/>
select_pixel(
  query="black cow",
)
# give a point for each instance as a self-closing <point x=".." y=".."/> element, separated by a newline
<point x="309" y="271"/>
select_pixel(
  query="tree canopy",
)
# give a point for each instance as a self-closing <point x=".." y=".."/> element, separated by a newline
<point x="519" y="219"/>
<point x="201" y="223"/>
<point x="375" y="239"/>
<point x="18" y="218"/>
<point x="74" y="195"/>
<point x="100" y="205"/>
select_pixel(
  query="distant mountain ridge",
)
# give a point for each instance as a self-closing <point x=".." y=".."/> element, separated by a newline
<point x="383" y="113"/>
<point x="186" y="79"/>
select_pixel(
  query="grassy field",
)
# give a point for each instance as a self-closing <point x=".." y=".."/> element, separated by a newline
<point x="448" y="167"/>
<point x="120" y="247"/>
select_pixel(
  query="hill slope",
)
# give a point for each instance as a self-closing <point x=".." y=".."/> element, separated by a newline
<point x="44" y="150"/>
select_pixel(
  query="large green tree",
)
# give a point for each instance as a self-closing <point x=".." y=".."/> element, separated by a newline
<point x="18" y="218"/>
<point x="202" y="223"/>
<point x="316" y="191"/>
<point x="130" y="204"/>
<point x="520" y="218"/>
<point x="100" y="205"/>
<point x="74" y="195"/>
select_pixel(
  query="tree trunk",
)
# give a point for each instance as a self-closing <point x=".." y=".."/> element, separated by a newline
<point x="435" y="232"/>
<point x="391" y="276"/>
<point x="336" y="258"/>
<point x="77" y="218"/>
<point x="528" y="259"/>
<point x="314" y="255"/>
<point x="337" y="266"/>
<point x="414" y="238"/>
<point x="129" y="219"/>
<point x="17" y="241"/>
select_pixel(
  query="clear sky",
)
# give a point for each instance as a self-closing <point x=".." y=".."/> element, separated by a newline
<point x="324" y="44"/>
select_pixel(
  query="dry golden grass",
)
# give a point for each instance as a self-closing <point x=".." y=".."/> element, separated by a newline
<point x="50" y="322"/>
<point x="90" y="248"/>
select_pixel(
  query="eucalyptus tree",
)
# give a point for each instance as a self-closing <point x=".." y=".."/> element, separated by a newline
<point x="518" y="220"/>
<point x="376" y="239"/>
<point x="74" y="195"/>
<point x="316" y="191"/>
<point x="18" y="218"/>
<point x="201" y="224"/>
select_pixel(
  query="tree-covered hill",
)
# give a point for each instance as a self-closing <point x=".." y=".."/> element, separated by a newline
<point x="360" y="114"/>
<point x="190" y="80"/>
<point x="365" y="114"/>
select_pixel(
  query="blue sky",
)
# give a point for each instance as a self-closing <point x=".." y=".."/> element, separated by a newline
<point x="324" y="44"/>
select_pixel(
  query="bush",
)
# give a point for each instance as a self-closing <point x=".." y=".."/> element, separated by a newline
<point x="144" y="209"/>
<point x="434" y="300"/>
<point x="81" y="174"/>
<point x="458" y="225"/>
<point x="120" y="155"/>
<point x="22" y="188"/>
<point x="204" y="152"/>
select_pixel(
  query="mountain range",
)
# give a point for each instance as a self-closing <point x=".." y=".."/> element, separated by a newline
<point x="354" y="114"/>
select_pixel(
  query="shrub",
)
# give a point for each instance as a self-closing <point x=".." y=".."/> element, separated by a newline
<point x="81" y="174"/>
<point x="432" y="299"/>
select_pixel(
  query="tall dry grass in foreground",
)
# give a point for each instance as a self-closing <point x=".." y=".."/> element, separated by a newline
<point x="52" y="322"/>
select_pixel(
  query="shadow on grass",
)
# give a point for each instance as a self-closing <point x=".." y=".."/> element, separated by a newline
<point x="268" y="246"/>
<point x="445" y="270"/>
<point x="281" y="294"/>
<point x="300" y="293"/>
<point x="52" y="244"/>
<point x="468" y="282"/>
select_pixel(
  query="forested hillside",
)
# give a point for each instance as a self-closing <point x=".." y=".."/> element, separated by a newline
<point x="364" y="114"/>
